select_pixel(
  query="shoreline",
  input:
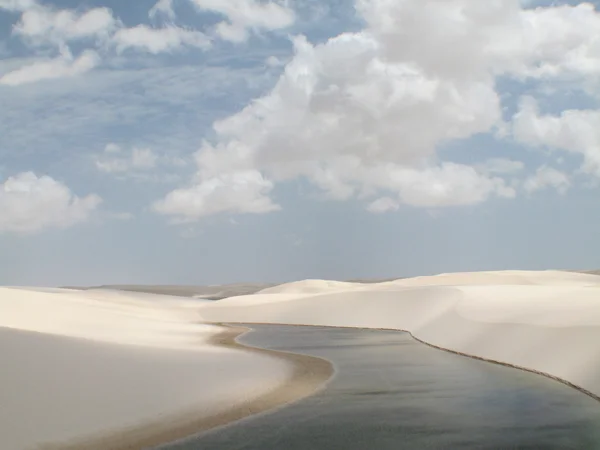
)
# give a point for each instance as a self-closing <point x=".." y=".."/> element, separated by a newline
<point x="309" y="375"/>
<point x="455" y="352"/>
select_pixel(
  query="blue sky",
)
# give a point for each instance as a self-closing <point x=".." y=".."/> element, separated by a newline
<point x="204" y="142"/>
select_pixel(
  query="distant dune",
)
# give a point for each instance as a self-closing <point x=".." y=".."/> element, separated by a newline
<point x="219" y="292"/>
<point x="207" y="292"/>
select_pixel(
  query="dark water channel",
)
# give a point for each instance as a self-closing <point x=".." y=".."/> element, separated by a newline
<point x="391" y="392"/>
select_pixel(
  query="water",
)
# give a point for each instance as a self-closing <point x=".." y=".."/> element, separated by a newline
<point x="391" y="392"/>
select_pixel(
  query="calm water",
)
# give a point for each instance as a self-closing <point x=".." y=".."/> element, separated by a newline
<point x="391" y="392"/>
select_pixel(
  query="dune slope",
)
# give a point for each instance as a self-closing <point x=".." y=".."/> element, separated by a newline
<point x="79" y="366"/>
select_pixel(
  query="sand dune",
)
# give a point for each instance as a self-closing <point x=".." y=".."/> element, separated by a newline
<point x="105" y="316"/>
<point x="310" y="287"/>
<point x="543" y="321"/>
<point x="81" y="364"/>
<point x="215" y="292"/>
<point x="78" y="366"/>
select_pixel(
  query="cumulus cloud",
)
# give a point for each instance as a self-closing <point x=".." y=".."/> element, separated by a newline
<point x="575" y="131"/>
<point x="383" y="205"/>
<point x="462" y="38"/>
<point x="237" y="192"/>
<point x="164" y="8"/>
<point x="30" y="204"/>
<point x="449" y="185"/>
<point x="158" y="40"/>
<point x="242" y="16"/>
<point x="363" y="114"/>
<point x="547" y="177"/>
<point x="62" y="66"/>
<point x="17" y="5"/>
<point x="43" y="25"/>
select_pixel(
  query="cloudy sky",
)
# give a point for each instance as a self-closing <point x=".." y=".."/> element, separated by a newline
<point x="212" y="141"/>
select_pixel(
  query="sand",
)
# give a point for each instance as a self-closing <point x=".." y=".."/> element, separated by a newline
<point x="547" y="322"/>
<point x="309" y="374"/>
<point x="107" y="369"/>
<point x="113" y="370"/>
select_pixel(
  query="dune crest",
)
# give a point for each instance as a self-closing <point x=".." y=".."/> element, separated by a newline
<point x="310" y="287"/>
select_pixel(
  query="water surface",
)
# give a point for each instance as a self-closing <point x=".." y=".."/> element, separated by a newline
<point x="392" y="392"/>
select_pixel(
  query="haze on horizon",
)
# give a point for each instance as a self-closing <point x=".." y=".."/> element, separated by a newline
<point x="202" y="142"/>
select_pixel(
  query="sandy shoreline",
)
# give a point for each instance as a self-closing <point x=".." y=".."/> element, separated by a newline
<point x="138" y="370"/>
<point x="309" y="375"/>
<point x="542" y="322"/>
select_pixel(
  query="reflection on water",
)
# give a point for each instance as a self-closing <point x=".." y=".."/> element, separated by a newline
<point x="391" y="392"/>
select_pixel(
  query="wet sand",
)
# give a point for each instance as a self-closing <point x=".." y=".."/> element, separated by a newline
<point x="310" y="374"/>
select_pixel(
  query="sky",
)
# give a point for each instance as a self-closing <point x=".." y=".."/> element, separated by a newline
<point x="219" y="141"/>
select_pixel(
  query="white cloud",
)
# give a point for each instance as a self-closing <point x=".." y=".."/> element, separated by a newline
<point x="238" y="192"/>
<point x="43" y="25"/>
<point x="242" y="16"/>
<point x="62" y="66"/>
<point x="158" y="40"/>
<point x="449" y="185"/>
<point x="112" y="148"/>
<point x="462" y="38"/>
<point x="340" y="107"/>
<point x="273" y="61"/>
<point x="141" y="164"/>
<point x="17" y="5"/>
<point x="245" y="15"/>
<point x="363" y="114"/>
<point x="383" y="205"/>
<point x="547" y="177"/>
<point x="30" y="204"/>
<point x="143" y="158"/>
<point x="575" y="131"/>
<point x="111" y="160"/>
<point x="162" y="7"/>
<point x="444" y="185"/>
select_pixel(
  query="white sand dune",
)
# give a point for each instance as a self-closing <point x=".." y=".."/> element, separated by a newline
<point x="542" y="321"/>
<point x="119" y="317"/>
<point x="310" y="287"/>
<point x="84" y="364"/>
<point x="78" y="364"/>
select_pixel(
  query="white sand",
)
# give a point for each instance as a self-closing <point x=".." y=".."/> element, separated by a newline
<point x="80" y="364"/>
<point x="543" y="321"/>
